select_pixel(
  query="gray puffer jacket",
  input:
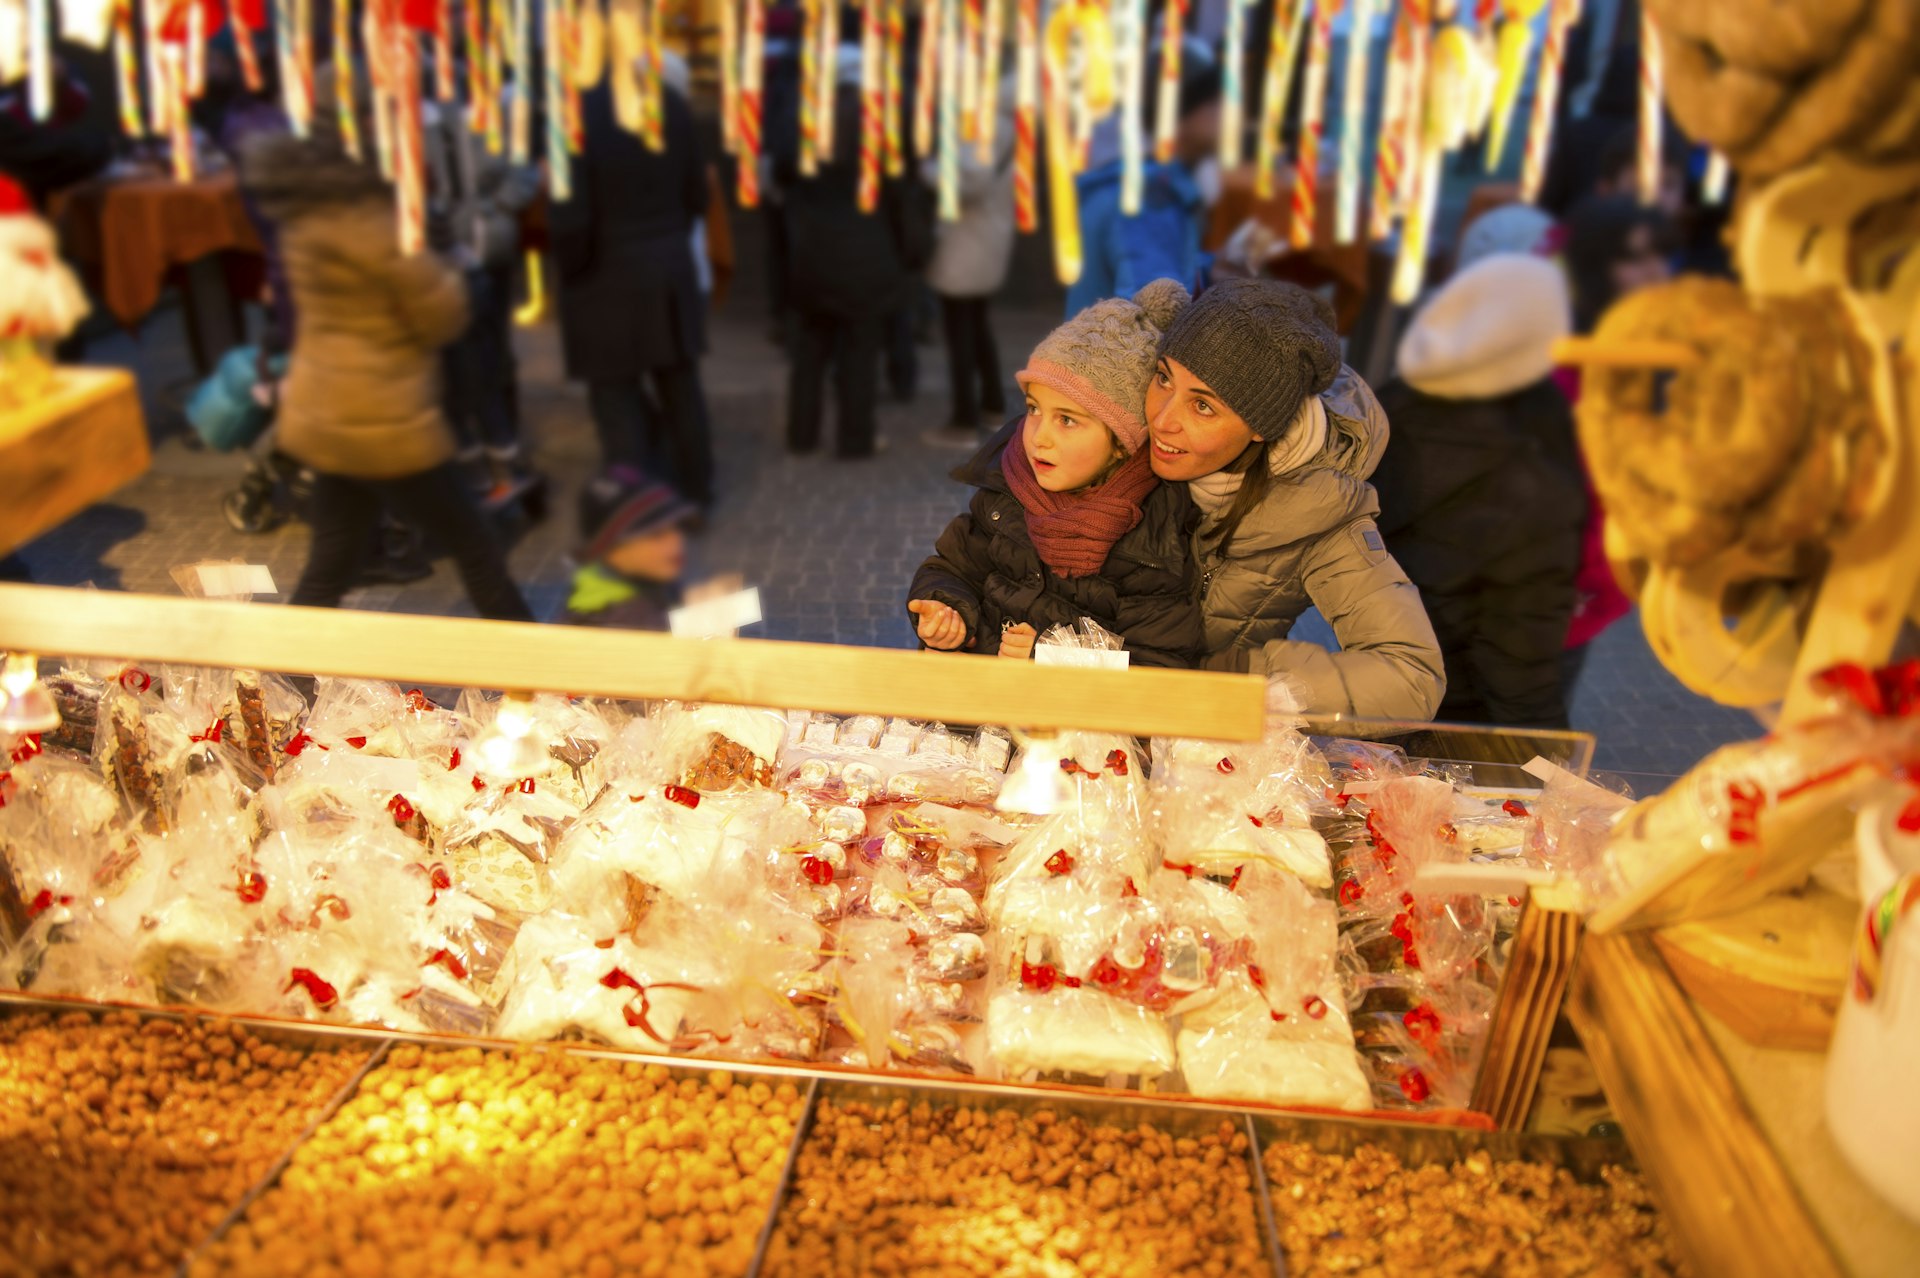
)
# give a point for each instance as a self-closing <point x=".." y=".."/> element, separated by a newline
<point x="1313" y="543"/>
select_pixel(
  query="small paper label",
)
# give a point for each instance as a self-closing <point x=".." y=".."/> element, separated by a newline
<point x="1060" y="654"/>
<point x="716" y="618"/>
<point x="231" y="581"/>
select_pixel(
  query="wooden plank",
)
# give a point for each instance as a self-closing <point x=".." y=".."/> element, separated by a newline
<point x="1720" y="1182"/>
<point x="69" y="450"/>
<point x="460" y="652"/>
<point x="1539" y="966"/>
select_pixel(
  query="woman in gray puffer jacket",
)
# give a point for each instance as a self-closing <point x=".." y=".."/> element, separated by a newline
<point x="1275" y="439"/>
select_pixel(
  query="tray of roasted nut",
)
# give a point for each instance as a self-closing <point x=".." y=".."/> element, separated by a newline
<point x="130" y="1136"/>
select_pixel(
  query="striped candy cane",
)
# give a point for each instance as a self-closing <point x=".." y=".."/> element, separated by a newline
<point x="559" y="144"/>
<point x="872" y="129"/>
<point x="1167" y="109"/>
<point x="932" y="19"/>
<point x="157" y="96"/>
<point x="1353" y="120"/>
<point x="380" y="73"/>
<point x="1067" y="254"/>
<point x="443" y="79"/>
<point x="896" y="43"/>
<point x="829" y="77"/>
<point x="1387" y="159"/>
<point x="729" y="76"/>
<point x="970" y="71"/>
<point x="1232" y="109"/>
<point x="303" y="59"/>
<point x="1026" y="99"/>
<point x="520" y="128"/>
<point x="409" y="152"/>
<point x="196" y="51"/>
<point x="243" y="45"/>
<point x="986" y="133"/>
<point x="1652" y="77"/>
<point x="179" y="124"/>
<point x="496" y="60"/>
<point x="1283" y="52"/>
<point x="344" y="113"/>
<point x="752" y="55"/>
<point x="126" y="71"/>
<point x="1133" y="141"/>
<point x="475" y="14"/>
<point x="1306" y="179"/>
<point x="655" y="133"/>
<point x="809" y="92"/>
<point x="950" y="61"/>
<point x="1546" y="95"/>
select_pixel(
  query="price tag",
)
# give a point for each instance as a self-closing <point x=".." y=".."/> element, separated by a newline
<point x="716" y="618"/>
<point x="1060" y="654"/>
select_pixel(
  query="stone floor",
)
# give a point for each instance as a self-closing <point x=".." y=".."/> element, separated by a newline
<point x="831" y="545"/>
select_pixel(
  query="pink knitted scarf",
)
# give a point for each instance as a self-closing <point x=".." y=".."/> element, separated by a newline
<point x="1075" y="531"/>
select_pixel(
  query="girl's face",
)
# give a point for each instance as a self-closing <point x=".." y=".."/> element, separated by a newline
<point x="1194" y="432"/>
<point x="1069" y="448"/>
<point x="1641" y="266"/>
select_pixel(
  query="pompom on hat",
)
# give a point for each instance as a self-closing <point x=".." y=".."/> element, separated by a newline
<point x="1103" y="358"/>
<point x="1263" y="346"/>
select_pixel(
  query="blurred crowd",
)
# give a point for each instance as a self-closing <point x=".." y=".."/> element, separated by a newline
<point x="404" y="414"/>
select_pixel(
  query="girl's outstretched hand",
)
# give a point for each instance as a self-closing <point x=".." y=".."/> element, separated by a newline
<point x="1017" y="641"/>
<point x="939" y="626"/>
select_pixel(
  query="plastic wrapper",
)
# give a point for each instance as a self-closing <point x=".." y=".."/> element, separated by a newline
<point x="866" y="761"/>
<point x="1211" y="821"/>
<point x="568" y="983"/>
<point x="137" y="744"/>
<point x="1078" y="1031"/>
<point x="77" y="691"/>
<point x="1573" y="820"/>
<point x="715" y="748"/>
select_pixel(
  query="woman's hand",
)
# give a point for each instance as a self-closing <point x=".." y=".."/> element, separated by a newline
<point x="939" y="627"/>
<point x="1017" y="641"/>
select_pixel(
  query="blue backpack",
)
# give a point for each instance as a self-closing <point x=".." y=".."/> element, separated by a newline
<point x="223" y="411"/>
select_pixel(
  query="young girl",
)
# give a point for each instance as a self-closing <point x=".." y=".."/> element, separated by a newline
<point x="1069" y="521"/>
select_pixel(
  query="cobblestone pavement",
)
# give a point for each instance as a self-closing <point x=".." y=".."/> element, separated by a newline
<point x="831" y="544"/>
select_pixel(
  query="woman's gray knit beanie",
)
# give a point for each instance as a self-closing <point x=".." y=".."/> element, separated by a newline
<point x="1262" y="345"/>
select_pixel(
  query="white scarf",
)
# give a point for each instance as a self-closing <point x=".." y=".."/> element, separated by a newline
<point x="1304" y="440"/>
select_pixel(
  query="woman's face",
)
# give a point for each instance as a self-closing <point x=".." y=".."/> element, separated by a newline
<point x="1194" y="432"/>
<point x="1641" y="266"/>
<point x="1069" y="448"/>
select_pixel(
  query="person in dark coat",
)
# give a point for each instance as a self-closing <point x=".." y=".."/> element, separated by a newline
<point x="633" y="553"/>
<point x="1069" y="520"/>
<point x="849" y="274"/>
<point x="1481" y="495"/>
<point x="630" y="304"/>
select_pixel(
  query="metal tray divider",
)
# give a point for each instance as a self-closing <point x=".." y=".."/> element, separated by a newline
<point x="272" y="1175"/>
<point x="1276" y="1255"/>
<point x="785" y="1185"/>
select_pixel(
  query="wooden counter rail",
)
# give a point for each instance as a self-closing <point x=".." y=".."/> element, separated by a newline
<point x="1730" y="1203"/>
<point x="460" y="652"/>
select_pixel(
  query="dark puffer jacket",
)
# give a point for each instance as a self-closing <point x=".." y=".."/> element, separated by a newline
<point x="985" y="567"/>
<point x="1482" y="503"/>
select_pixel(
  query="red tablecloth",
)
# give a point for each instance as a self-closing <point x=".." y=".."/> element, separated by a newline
<point x="125" y="234"/>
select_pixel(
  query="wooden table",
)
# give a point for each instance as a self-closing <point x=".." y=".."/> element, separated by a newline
<point x="128" y="235"/>
<point x="69" y="450"/>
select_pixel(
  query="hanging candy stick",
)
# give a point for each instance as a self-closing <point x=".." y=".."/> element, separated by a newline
<point x="1407" y="141"/>
<point x="752" y="53"/>
<point x="1515" y="44"/>
<point x="1283" y="52"/>
<point x="475" y="13"/>
<point x="1652" y="75"/>
<point x="303" y="60"/>
<point x="1232" y="109"/>
<point x="1080" y="111"/>
<point x="970" y="71"/>
<point x="1546" y="96"/>
<point x="1065" y="210"/>
<point x="343" y="84"/>
<point x="196" y="50"/>
<point x="1713" y="186"/>
<point x="559" y="148"/>
<point x="729" y="76"/>
<point x="566" y="23"/>
<point x="520" y="132"/>
<point x="410" y="161"/>
<point x="381" y="78"/>
<point x="931" y="21"/>
<point x="126" y="71"/>
<point x="653" y="99"/>
<point x="950" y="63"/>
<point x="647" y="79"/>
<point x="988" y="111"/>
<point x="40" y="61"/>
<point x="158" y="98"/>
<point x="243" y="46"/>
<point x="1026" y="106"/>
<point x="444" y="87"/>
<point x="1167" y="109"/>
<point x="828" y="70"/>
<point x="809" y="96"/>
<point x="896" y="37"/>
<point x="1353" y="119"/>
<point x="872" y="129"/>
<point x="626" y="44"/>
<point x="1306" y="178"/>
<point x="1444" y="113"/>
<point x="1133" y="70"/>
<point x="496" y="58"/>
<point x="1387" y="157"/>
<point x="179" y="123"/>
<point x="657" y="53"/>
